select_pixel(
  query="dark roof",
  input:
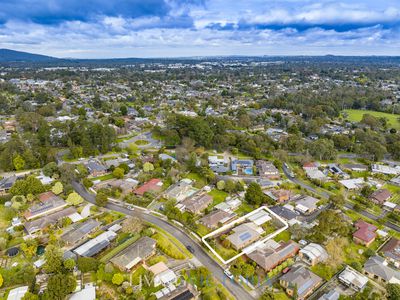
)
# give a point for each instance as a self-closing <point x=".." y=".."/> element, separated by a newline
<point x="186" y="295"/>
<point x="284" y="212"/>
<point x="392" y="249"/>
<point x="79" y="231"/>
<point x="7" y="183"/>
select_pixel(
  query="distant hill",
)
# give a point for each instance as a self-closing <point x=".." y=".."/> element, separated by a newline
<point x="7" y="55"/>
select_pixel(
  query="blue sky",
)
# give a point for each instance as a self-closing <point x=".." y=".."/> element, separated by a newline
<point x="173" y="28"/>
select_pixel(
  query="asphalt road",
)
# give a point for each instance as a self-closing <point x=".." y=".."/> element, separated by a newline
<point x="236" y="290"/>
<point x="304" y="185"/>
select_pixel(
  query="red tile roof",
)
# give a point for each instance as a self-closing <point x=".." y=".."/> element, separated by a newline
<point x="365" y="232"/>
<point x="152" y="185"/>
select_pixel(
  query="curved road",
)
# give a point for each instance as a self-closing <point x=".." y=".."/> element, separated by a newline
<point x="236" y="290"/>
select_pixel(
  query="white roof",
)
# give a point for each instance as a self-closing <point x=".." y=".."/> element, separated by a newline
<point x="105" y="236"/>
<point x="260" y="217"/>
<point x="390" y="204"/>
<point x="166" y="276"/>
<point x="353" y="277"/>
<point x="115" y="228"/>
<point x="75" y="217"/>
<point x="315" y="251"/>
<point x="18" y="293"/>
<point x="39" y="263"/>
<point x="88" y="293"/>
<point x="352" y="184"/>
<point x="381" y="233"/>
<point x="301" y="208"/>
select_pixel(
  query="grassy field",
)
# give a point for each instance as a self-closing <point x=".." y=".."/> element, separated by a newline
<point x="356" y="115"/>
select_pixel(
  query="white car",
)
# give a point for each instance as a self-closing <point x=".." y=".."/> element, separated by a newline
<point x="228" y="273"/>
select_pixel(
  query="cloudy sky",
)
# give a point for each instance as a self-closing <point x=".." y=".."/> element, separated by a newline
<point x="175" y="28"/>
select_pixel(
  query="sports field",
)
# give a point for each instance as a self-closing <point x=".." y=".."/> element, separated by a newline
<point x="356" y="115"/>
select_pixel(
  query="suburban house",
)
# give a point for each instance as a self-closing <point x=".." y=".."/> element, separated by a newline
<point x="197" y="203"/>
<point x="306" y="204"/>
<point x="95" y="245"/>
<point x="152" y="186"/>
<point x="380" y="196"/>
<point x="87" y="293"/>
<point x="353" y="184"/>
<point x="301" y="278"/>
<point x="395" y="181"/>
<point x="313" y="254"/>
<point x="244" y="234"/>
<point x="49" y="203"/>
<point x="163" y="275"/>
<point x="180" y="191"/>
<point x="164" y="156"/>
<point x="353" y="279"/>
<point x="80" y="231"/>
<point x="6" y="184"/>
<point x="376" y="268"/>
<point x="365" y="233"/>
<point x="218" y="165"/>
<point x="127" y="185"/>
<point x="95" y="168"/>
<point x="271" y="254"/>
<point x="242" y="166"/>
<point x="391" y="251"/>
<point x="355" y="167"/>
<point x="135" y="253"/>
<point x="51" y="219"/>
<point x="284" y="212"/>
<point x="267" y="169"/>
<point x="116" y="162"/>
<point x="216" y="218"/>
<point x="311" y="166"/>
<point x="336" y="170"/>
<point x="384" y="169"/>
<point x="279" y="195"/>
<point x="229" y="205"/>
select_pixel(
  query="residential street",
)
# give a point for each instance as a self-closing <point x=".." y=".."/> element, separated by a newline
<point x="179" y="234"/>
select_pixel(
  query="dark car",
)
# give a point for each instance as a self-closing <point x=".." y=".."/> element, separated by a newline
<point x="190" y="248"/>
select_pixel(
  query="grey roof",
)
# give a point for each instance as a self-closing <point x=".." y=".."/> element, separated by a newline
<point x="284" y="212"/>
<point x="242" y="235"/>
<point x="268" y="257"/>
<point x="376" y="265"/>
<point x="303" y="278"/>
<point x="197" y="202"/>
<point x="51" y="219"/>
<point x="215" y="217"/>
<point x="7" y="183"/>
<point x="94" y="166"/>
<point x="141" y="249"/>
<point x="331" y="295"/>
<point x="79" y="231"/>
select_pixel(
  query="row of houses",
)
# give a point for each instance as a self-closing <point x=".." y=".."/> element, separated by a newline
<point x="263" y="168"/>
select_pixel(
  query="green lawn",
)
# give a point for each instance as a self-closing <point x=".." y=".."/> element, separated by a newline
<point x="218" y="196"/>
<point x="141" y="142"/>
<point x="356" y="115"/>
<point x="199" y="181"/>
<point x="283" y="236"/>
<point x="119" y="248"/>
<point x="103" y="178"/>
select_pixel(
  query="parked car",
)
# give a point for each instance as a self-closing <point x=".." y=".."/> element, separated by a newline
<point x="190" y="249"/>
<point x="228" y="273"/>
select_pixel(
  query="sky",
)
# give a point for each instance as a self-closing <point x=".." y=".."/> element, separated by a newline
<point x="186" y="28"/>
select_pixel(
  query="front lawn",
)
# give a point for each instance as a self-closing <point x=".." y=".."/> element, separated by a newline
<point x="218" y="196"/>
